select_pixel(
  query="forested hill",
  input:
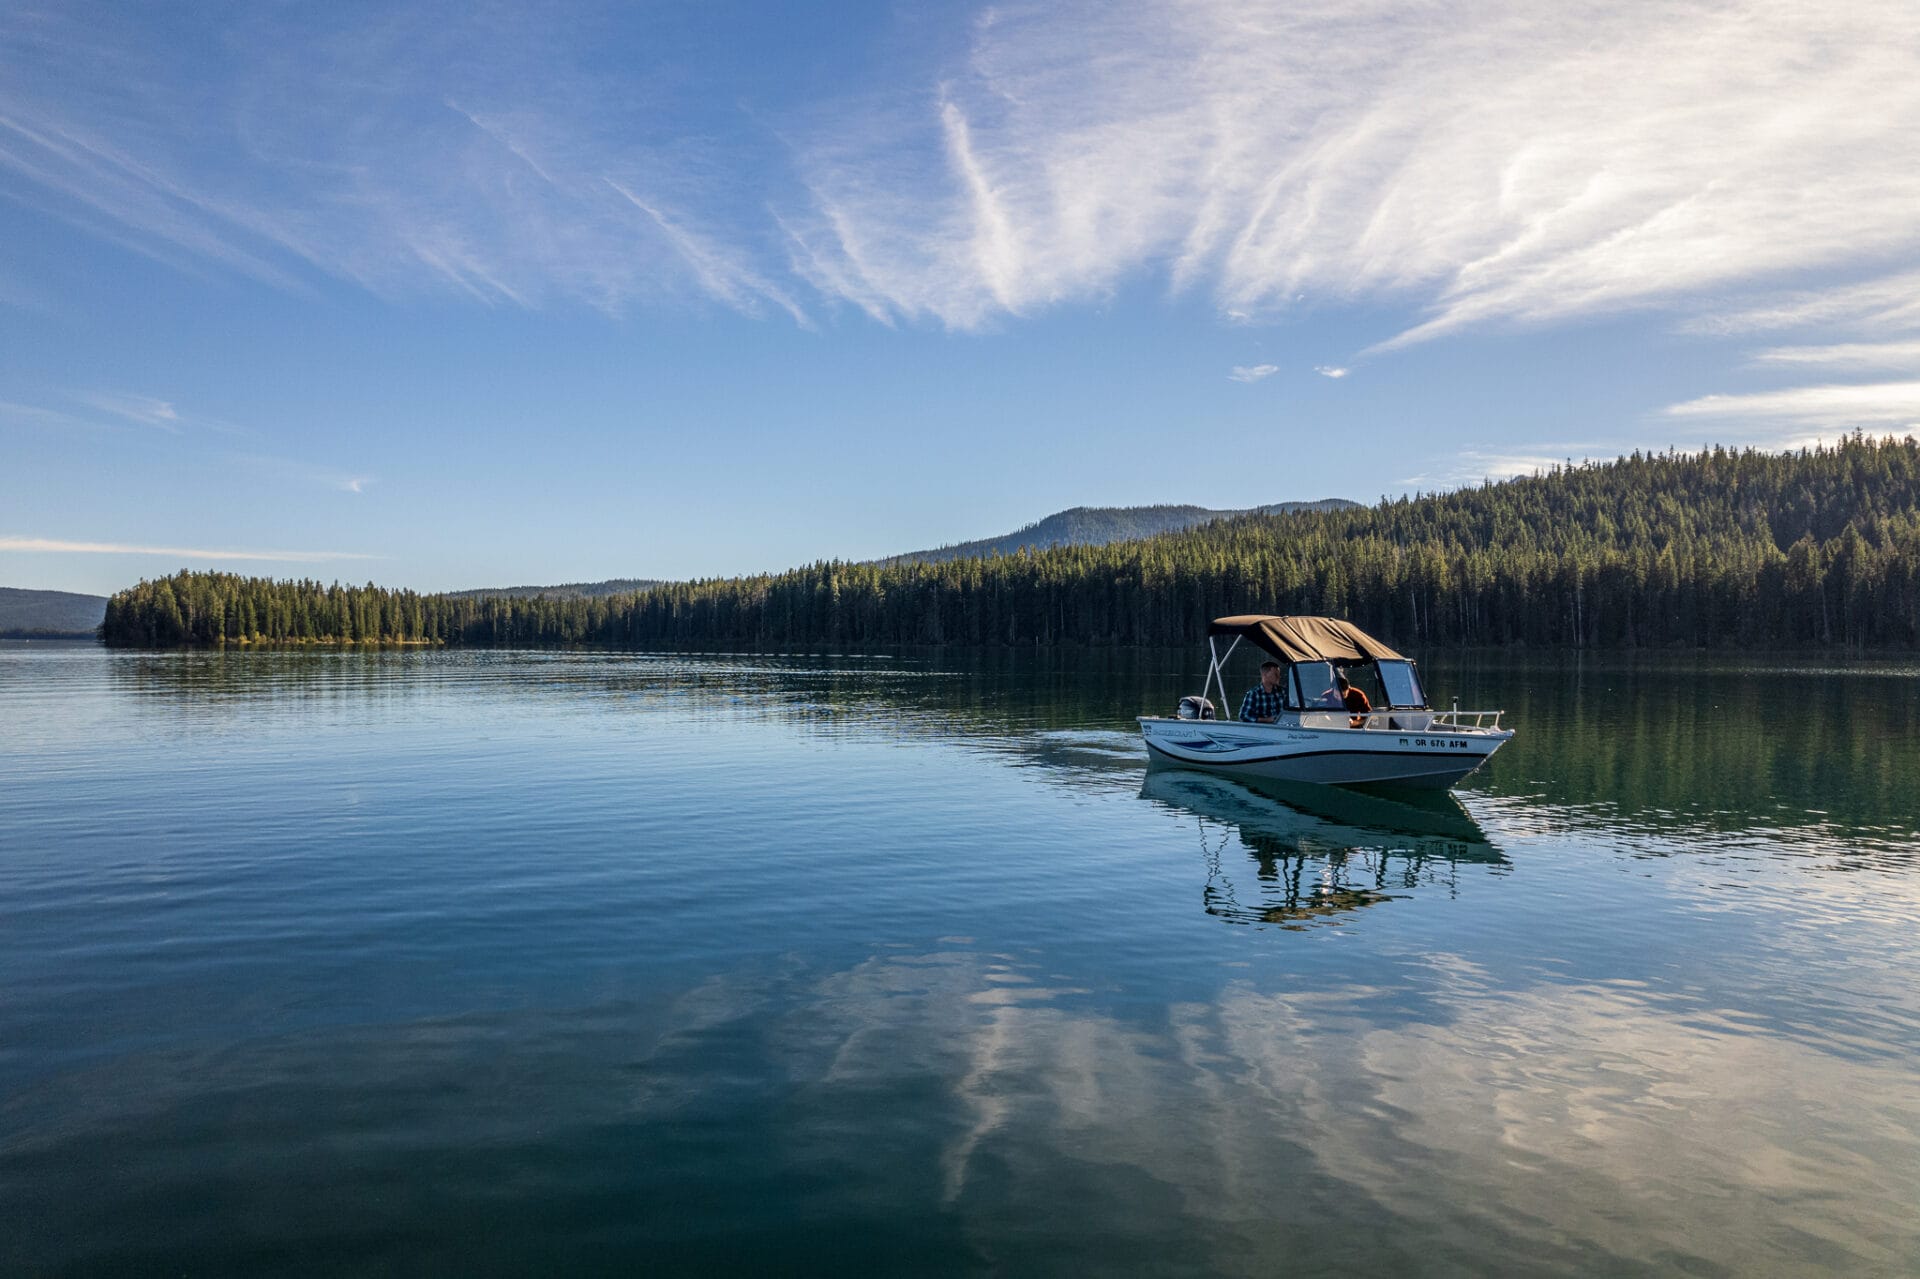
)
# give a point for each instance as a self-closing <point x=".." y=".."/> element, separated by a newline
<point x="1712" y="549"/>
<point x="1099" y="525"/>
<point x="36" y="614"/>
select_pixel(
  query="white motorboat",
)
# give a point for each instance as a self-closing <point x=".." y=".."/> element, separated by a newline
<point x="1317" y="736"/>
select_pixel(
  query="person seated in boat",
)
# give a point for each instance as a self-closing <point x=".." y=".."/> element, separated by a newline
<point x="1263" y="701"/>
<point x="1356" y="701"/>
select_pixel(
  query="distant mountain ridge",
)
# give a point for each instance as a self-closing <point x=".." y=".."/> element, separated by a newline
<point x="1098" y="526"/>
<point x="49" y="614"/>
<point x="564" y="591"/>
<point x="1076" y="526"/>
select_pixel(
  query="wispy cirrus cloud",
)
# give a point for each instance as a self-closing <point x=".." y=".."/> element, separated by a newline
<point x="444" y="148"/>
<point x="142" y="409"/>
<point x="1863" y="357"/>
<point x="1832" y="407"/>
<point x="1470" y="166"/>
<point x="104" y="410"/>
<point x="721" y="272"/>
<point x="35" y="415"/>
<point x="1492" y="165"/>
<point x="1883" y="304"/>
<point x="1508" y="463"/>
<point x="1253" y="372"/>
<point x="63" y="546"/>
<point x="110" y="411"/>
<point x="115" y="410"/>
<point x="1887" y="309"/>
<point x="1331" y="370"/>
<point x="288" y="470"/>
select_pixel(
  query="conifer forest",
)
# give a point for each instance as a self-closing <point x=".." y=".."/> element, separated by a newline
<point x="1818" y="548"/>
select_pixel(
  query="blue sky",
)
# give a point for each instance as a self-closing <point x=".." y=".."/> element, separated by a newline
<point x="460" y="295"/>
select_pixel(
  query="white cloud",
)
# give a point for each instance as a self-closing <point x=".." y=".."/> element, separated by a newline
<point x="1471" y="466"/>
<point x="287" y="470"/>
<point x="1507" y="466"/>
<point x="1253" y="373"/>
<point x="1492" y="164"/>
<point x="443" y="148"/>
<point x="143" y="409"/>
<point x="720" y="271"/>
<point x="36" y="416"/>
<point x="114" y="410"/>
<point x="1848" y="356"/>
<point x="1500" y="164"/>
<point x="1886" y="304"/>
<point x="56" y="545"/>
<point x="1474" y="465"/>
<point x="1331" y="370"/>
<point x="1838" y="407"/>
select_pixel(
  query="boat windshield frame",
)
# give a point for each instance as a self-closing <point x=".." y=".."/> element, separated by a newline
<point x="1415" y="686"/>
<point x="1296" y="695"/>
<point x="1298" y="683"/>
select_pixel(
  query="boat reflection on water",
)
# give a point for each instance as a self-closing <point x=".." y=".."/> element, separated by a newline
<point x="1320" y="852"/>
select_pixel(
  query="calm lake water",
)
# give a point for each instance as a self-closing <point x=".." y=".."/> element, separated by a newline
<point x="484" y="962"/>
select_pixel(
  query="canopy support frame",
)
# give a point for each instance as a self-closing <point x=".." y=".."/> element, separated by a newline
<point x="1216" y="672"/>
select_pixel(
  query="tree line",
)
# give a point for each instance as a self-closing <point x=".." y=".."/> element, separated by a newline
<point x="1721" y="548"/>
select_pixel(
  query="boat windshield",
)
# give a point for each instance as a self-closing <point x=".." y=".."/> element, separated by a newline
<point x="1402" y="685"/>
<point x="1313" y="686"/>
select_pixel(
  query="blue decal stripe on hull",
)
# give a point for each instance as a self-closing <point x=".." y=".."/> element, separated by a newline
<point x="1268" y="759"/>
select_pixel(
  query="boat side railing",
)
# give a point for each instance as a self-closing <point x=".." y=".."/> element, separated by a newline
<point x="1394" y="720"/>
<point x="1483" y="720"/>
<point x="1402" y="720"/>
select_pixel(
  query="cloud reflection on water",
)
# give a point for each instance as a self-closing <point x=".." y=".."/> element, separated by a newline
<point x="1571" y="1124"/>
<point x="1560" y="1126"/>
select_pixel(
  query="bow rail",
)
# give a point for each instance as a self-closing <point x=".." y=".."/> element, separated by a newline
<point x="1456" y="718"/>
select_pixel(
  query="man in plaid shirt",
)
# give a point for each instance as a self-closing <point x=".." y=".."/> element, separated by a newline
<point x="1263" y="703"/>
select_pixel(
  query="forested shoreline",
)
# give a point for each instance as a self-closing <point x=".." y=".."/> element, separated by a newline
<point x="1717" y="549"/>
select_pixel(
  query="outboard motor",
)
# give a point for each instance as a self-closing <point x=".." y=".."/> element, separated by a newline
<point x="1195" y="708"/>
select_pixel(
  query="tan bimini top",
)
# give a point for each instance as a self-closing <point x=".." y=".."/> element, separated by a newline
<point x="1307" y="639"/>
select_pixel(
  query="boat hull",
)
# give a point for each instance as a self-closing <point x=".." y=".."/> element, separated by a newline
<point x="1425" y="759"/>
